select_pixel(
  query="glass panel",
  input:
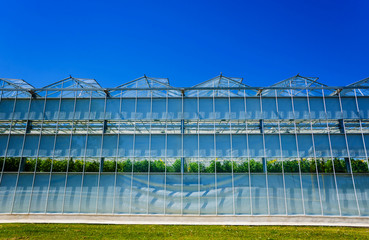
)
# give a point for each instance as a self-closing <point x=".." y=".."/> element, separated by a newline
<point x="208" y="194"/>
<point x="363" y="103"/>
<point x="190" y="146"/>
<point x="89" y="193"/>
<point x="174" y="108"/>
<point x="37" y="109"/>
<point x="223" y="146"/>
<point x="190" y="108"/>
<point x="125" y="145"/>
<point x="225" y="198"/>
<point x="110" y="146"/>
<point x="93" y="146"/>
<point x="277" y="202"/>
<point x="362" y="192"/>
<point x="206" y="146"/>
<point x="289" y="148"/>
<point x="333" y="108"/>
<point x="82" y="109"/>
<point x="305" y="142"/>
<point x="7" y="187"/>
<point x="221" y="108"/>
<point x="23" y="193"/>
<point x="21" y="109"/>
<point x="259" y="194"/>
<point x="253" y="110"/>
<point x="237" y="108"/>
<point x="256" y="146"/>
<point x="123" y="193"/>
<point x="285" y="109"/>
<point x="15" y="146"/>
<point x="39" y="193"/>
<point x="301" y="108"/>
<point x="106" y="193"/>
<point x="3" y="143"/>
<point x="6" y="108"/>
<point x="317" y="108"/>
<point x="191" y="194"/>
<point x="52" y="109"/>
<point x="347" y="195"/>
<point x="311" y="194"/>
<point x="239" y="145"/>
<point x="143" y="108"/>
<point x="173" y="194"/>
<point x="349" y="108"/>
<point x="159" y="107"/>
<point x="62" y="146"/>
<point x="112" y="108"/>
<point x="174" y="145"/>
<point x="142" y="145"/>
<point x="97" y="108"/>
<point x="293" y="194"/>
<point x="73" y="193"/>
<point x="156" y="193"/>
<point x="31" y="146"/>
<point x="56" y="193"/>
<point x="269" y="108"/>
<point x="46" y="146"/>
<point x="322" y="148"/>
<point x="338" y="143"/>
<point x="356" y="145"/>
<point x="139" y="193"/>
<point x="66" y="109"/>
<point x="157" y="146"/>
<point x="242" y="193"/>
<point x="329" y="194"/>
<point x="272" y="146"/>
<point x="128" y="108"/>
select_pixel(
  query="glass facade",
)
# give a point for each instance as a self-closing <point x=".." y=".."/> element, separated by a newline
<point x="219" y="148"/>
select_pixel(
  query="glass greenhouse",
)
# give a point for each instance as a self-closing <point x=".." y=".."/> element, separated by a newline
<point x="297" y="147"/>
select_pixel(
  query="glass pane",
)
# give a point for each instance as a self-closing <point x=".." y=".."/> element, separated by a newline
<point x="301" y="108"/>
<point x="52" y="109"/>
<point x="31" y="146"/>
<point x="89" y="193"/>
<point x="191" y="194"/>
<point x="293" y="194"/>
<point x="112" y="108"/>
<point x="106" y="193"/>
<point x="269" y="108"/>
<point x="15" y="146"/>
<point x="253" y="110"/>
<point x="56" y="193"/>
<point x="174" y="145"/>
<point x="237" y="108"/>
<point x="73" y="193"/>
<point x="333" y="108"/>
<point x="97" y="108"/>
<point x="82" y="109"/>
<point x="37" y="109"/>
<point x="221" y="108"/>
<point x="349" y="108"/>
<point x="239" y="145"/>
<point x="7" y="187"/>
<point x="157" y="146"/>
<point x="259" y="194"/>
<point x="122" y="203"/>
<point x="329" y="194"/>
<point x="256" y="146"/>
<point x="142" y="145"/>
<point x="159" y="108"/>
<point x="93" y="146"/>
<point x="125" y="145"/>
<point x="128" y="108"/>
<point x="6" y="108"/>
<point x="190" y="108"/>
<point x="173" y="194"/>
<point x="23" y="193"/>
<point x="311" y="194"/>
<point x="277" y="202"/>
<point x="66" y="109"/>
<point x="21" y="109"/>
<point x="139" y="193"/>
<point x="39" y="193"/>
<point x="110" y="146"/>
<point x="242" y="194"/>
<point x="156" y="193"/>
<point x="225" y="194"/>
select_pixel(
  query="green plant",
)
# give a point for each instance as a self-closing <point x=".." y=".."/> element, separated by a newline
<point x="109" y="166"/>
<point x="141" y="166"/>
<point x="242" y="167"/>
<point x="124" y="166"/>
<point x="274" y="166"/>
<point x="92" y="166"/>
<point x="176" y="166"/>
<point x="60" y="165"/>
<point x="45" y="165"/>
<point x="256" y="166"/>
<point x="359" y="166"/>
<point x="291" y="166"/>
<point x="157" y="166"/>
<point x="75" y="165"/>
<point x="11" y="164"/>
<point x="30" y="164"/>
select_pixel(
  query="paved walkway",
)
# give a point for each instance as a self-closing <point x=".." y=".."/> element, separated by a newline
<point x="186" y="220"/>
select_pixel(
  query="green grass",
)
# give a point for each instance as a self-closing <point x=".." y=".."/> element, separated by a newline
<point x="83" y="231"/>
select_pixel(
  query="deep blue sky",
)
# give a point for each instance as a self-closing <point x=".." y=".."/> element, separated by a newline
<point x="186" y="41"/>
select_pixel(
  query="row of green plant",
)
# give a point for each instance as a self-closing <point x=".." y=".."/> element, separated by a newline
<point x="226" y="166"/>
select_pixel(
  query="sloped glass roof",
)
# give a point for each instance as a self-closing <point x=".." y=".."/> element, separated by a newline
<point x="297" y="86"/>
<point x="25" y="89"/>
<point x="146" y="87"/>
<point x="227" y="87"/>
<point x="358" y="88"/>
<point x="73" y="87"/>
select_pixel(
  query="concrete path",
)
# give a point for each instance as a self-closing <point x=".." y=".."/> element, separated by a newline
<point x="186" y="220"/>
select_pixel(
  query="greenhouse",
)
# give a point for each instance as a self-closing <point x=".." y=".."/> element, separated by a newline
<point x="297" y="147"/>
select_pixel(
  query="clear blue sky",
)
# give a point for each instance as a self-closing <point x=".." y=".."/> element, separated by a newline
<point x="187" y="41"/>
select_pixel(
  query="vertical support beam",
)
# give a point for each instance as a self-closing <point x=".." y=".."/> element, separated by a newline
<point x="28" y="126"/>
<point x="347" y="164"/>
<point x="263" y="159"/>
<point x="101" y="164"/>
<point x="261" y="125"/>
<point x="182" y="158"/>
<point x="341" y="126"/>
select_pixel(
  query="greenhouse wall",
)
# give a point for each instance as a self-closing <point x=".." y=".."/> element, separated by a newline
<point x="217" y="153"/>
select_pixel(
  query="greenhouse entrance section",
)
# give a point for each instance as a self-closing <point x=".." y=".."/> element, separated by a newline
<point x="295" y="148"/>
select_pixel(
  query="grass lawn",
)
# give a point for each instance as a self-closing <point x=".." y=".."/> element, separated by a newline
<point x="80" y="231"/>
